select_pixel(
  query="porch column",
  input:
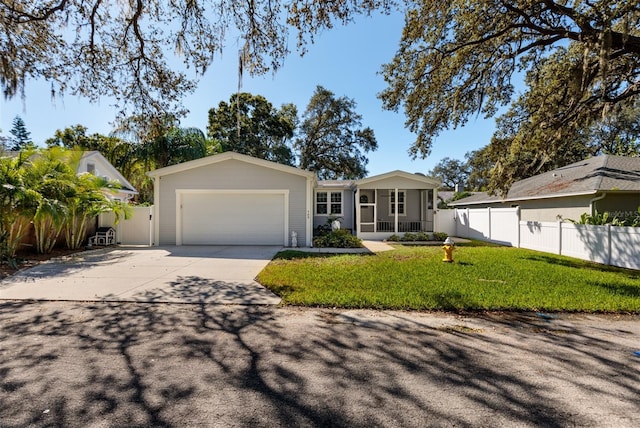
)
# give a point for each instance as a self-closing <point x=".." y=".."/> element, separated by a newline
<point x="357" y="198"/>
<point x="375" y="209"/>
<point x="395" y="217"/>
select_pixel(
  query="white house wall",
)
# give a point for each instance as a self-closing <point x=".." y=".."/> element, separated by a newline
<point x="231" y="175"/>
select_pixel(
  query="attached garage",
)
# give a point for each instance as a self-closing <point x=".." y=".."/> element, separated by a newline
<point x="231" y="218"/>
<point x="232" y="199"/>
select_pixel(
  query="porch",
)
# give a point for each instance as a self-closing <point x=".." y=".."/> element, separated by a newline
<point x="382" y="212"/>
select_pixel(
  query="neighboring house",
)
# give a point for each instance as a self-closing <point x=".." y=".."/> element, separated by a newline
<point x="603" y="183"/>
<point x="231" y="198"/>
<point x="94" y="163"/>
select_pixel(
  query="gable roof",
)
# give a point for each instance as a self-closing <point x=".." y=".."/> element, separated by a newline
<point x="213" y="159"/>
<point x="397" y="173"/>
<point x="113" y="172"/>
<point x="606" y="173"/>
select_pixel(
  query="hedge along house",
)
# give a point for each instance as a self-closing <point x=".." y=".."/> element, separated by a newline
<point x="235" y="199"/>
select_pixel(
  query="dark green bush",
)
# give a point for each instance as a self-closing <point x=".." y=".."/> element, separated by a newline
<point x="340" y="238"/>
<point x="413" y="237"/>
<point x="439" y="236"/>
<point x="394" y="238"/>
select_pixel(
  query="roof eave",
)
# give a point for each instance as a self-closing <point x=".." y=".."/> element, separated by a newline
<point x="404" y="174"/>
<point x="530" y="198"/>
<point x="210" y="160"/>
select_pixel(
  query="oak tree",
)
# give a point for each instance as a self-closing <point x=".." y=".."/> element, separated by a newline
<point x="457" y="59"/>
<point x="535" y="136"/>
<point x="148" y="54"/>
<point x="450" y="172"/>
<point x="251" y="125"/>
<point x="332" y="141"/>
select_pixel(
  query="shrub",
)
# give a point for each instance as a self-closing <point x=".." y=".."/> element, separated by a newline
<point x="423" y="236"/>
<point x="322" y="230"/>
<point x="326" y="228"/>
<point x="394" y="238"/>
<point x="413" y="237"/>
<point x="439" y="236"/>
<point x="409" y="237"/>
<point x="340" y="238"/>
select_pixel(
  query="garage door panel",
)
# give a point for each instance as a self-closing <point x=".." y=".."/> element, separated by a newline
<point x="233" y="219"/>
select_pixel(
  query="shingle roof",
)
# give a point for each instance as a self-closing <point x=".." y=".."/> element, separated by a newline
<point x="597" y="174"/>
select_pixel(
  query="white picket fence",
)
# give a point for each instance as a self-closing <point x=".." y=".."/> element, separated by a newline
<point x="138" y="230"/>
<point x="611" y="245"/>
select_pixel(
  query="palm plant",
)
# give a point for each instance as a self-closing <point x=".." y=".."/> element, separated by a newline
<point x="82" y="206"/>
<point x="174" y="146"/>
<point x="52" y="175"/>
<point x="17" y="203"/>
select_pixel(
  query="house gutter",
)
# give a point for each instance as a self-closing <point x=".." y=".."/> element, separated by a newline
<point x="594" y="200"/>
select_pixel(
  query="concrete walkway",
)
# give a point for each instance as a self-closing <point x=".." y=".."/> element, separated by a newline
<point x="185" y="274"/>
<point x="369" y="247"/>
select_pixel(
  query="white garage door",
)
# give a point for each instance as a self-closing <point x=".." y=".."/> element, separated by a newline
<point x="233" y="218"/>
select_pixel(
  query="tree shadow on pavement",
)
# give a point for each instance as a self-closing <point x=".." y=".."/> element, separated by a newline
<point x="128" y="364"/>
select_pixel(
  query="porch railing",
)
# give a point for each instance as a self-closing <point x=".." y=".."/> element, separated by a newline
<point x="405" y="226"/>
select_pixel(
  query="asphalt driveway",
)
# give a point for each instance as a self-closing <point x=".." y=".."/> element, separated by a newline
<point x="108" y="364"/>
<point x="184" y="274"/>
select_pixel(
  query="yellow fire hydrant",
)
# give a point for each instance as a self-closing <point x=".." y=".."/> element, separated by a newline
<point x="448" y="250"/>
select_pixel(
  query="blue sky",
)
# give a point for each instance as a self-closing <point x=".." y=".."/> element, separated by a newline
<point x="344" y="60"/>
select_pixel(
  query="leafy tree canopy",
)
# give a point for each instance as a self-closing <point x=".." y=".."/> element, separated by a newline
<point x="249" y="124"/>
<point x="332" y="138"/>
<point x="540" y="131"/>
<point x="457" y="59"/>
<point x="515" y="152"/>
<point x="123" y="49"/>
<point x="479" y="164"/>
<point x="450" y="172"/>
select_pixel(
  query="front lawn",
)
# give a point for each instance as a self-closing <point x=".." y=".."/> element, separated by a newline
<point x="482" y="277"/>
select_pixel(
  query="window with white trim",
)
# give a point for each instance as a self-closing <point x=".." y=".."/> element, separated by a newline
<point x="328" y="203"/>
<point x="401" y="202"/>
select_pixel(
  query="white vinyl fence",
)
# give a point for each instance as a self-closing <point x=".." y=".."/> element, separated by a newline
<point x="612" y="245"/>
<point x="138" y="230"/>
<point x="445" y="222"/>
<point x="489" y="224"/>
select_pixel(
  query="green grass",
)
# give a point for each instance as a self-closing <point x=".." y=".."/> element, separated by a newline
<point x="482" y="277"/>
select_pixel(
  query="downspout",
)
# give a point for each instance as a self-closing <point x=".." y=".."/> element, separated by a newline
<point x="596" y="199"/>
